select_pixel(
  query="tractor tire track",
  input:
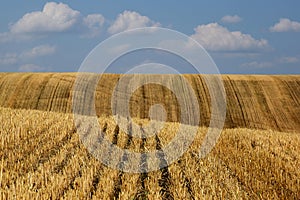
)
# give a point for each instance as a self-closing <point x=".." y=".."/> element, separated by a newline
<point x="142" y="191"/>
<point x="165" y="180"/>
<point x="118" y="182"/>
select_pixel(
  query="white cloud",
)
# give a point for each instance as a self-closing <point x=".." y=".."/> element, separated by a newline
<point x="9" y="59"/>
<point x="35" y="52"/>
<point x="256" y="64"/>
<point x="8" y="37"/>
<point x="55" y="17"/>
<point x="267" y="64"/>
<point x="38" y="51"/>
<point x="231" y="19"/>
<point x="237" y="54"/>
<point x="289" y="60"/>
<point x="130" y="20"/>
<point x="215" y="37"/>
<point x="94" y="22"/>
<point x="119" y="49"/>
<point x="285" y="25"/>
<point x="30" y="68"/>
<point x="4" y="37"/>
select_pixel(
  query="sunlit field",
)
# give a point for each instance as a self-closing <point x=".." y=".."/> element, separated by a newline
<point x="257" y="155"/>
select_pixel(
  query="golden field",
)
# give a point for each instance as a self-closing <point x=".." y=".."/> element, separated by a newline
<point x="253" y="101"/>
<point x="257" y="155"/>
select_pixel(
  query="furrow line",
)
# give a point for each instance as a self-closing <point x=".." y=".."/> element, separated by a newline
<point x="165" y="180"/>
<point x="187" y="181"/>
<point x="97" y="176"/>
<point x="142" y="191"/>
<point x="118" y="182"/>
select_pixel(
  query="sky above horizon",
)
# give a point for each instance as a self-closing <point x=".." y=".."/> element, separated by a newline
<point x="253" y="37"/>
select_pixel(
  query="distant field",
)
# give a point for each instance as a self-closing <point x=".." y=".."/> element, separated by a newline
<point x="259" y="102"/>
<point x="42" y="157"/>
<point x="257" y="155"/>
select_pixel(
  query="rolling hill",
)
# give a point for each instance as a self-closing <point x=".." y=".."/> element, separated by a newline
<point x="253" y="101"/>
<point x="256" y="157"/>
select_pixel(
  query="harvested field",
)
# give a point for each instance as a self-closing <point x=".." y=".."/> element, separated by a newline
<point x="256" y="157"/>
<point x="253" y="101"/>
<point x="42" y="158"/>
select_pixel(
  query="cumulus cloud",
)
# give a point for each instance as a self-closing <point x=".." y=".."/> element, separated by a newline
<point x="94" y="23"/>
<point x="30" y="68"/>
<point x="130" y="20"/>
<point x="94" y="20"/>
<point x="54" y="18"/>
<point x="285" y="25"/>
<point x="231" y="19"/>
<point x="215" y="37"/>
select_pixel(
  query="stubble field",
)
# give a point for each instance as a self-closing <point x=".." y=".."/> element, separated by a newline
<point x="42" y="157"/>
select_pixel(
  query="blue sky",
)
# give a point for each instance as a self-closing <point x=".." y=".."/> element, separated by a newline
<point x="253" y="37"/>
